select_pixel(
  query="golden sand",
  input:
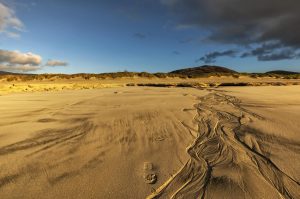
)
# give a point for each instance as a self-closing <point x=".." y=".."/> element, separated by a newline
<point x="146" y="142"/>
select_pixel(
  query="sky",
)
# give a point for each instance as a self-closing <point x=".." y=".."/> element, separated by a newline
<point x="97" y="36"/>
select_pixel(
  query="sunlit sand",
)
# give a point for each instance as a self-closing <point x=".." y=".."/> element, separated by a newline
<point x="146" y="142"/>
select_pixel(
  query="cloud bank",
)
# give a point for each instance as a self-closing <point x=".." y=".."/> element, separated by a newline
<point x="16" y="61"/>
<point x="19" y="68"/>
<point x="16" y="57"/>
<point x="10" y="24"/>
<point x="19" y="62"/>
<point x="251" y="23"/>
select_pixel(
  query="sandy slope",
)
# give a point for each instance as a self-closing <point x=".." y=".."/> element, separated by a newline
<point x="113" y="143"/>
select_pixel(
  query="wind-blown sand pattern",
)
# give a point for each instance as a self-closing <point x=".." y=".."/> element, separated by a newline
<point x="131" y="142"/>
<point x="226" y="157"/>
<point x="91" y="143"/>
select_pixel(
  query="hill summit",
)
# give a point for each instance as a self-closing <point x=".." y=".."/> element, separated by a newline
<point x="202" y="70"/>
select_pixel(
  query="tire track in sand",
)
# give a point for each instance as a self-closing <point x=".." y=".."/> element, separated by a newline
<point x="225" y="160"/>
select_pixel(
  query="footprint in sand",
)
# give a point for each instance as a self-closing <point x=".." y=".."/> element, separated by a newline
<point x="149" y="176"/>
<point x="244" y="119"/>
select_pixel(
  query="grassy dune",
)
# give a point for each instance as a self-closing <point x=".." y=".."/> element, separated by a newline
<point x="58" y="82"/>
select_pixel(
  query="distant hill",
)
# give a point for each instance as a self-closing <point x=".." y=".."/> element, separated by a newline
<point x="282" y="72"/>
<point x="11" y="73"/>
<point x="202" y="70"/>
<point x="8" y="73"/>
<point x="4" y="73"/>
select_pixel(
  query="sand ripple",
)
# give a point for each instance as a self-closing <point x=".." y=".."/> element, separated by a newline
<point x="226" y="161"/>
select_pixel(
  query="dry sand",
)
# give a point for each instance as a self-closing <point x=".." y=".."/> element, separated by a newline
<point x="141" y="142"/>
<point x="57" y="84"/>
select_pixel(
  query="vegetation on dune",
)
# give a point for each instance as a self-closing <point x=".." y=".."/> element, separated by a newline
<point x="86" y="76"/>
<point x="39" y="77"/>
<point x="196" y="72"/>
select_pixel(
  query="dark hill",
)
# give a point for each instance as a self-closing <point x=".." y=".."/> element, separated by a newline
<point x="202" y="70"/>
<point x="11" y="73"/>
<point x="8" y="73"/>
<point x="281" y="72"/>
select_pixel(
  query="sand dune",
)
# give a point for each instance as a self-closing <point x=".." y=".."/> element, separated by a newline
<point x="56" y="84"/>
<point x="142" y="142"/>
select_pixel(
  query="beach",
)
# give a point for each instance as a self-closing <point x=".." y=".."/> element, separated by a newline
<point x="149" y="142"/>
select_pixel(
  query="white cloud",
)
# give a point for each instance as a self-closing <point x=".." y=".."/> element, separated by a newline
<point x="10" y="24"/>
<point x="19" y="68"/>
<point x="54" y="63"/>
<point x="19" y="62"/>
<point x="16" y="57"/>
<point x="16" y="61"/>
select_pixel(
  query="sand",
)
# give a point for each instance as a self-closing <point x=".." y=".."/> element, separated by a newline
<point x="146" y="142"/>
<point x="57" y="84"/>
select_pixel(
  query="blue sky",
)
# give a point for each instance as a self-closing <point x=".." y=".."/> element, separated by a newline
<point x="109" y="35"/>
